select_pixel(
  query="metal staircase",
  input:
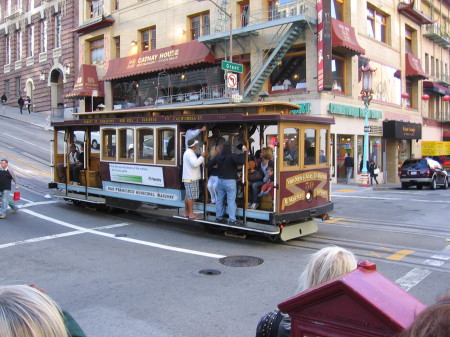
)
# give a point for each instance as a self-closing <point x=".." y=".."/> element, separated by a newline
<point x="269" y="59"/>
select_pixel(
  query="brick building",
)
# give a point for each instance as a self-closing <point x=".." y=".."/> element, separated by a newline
<point x="37" y="48"/>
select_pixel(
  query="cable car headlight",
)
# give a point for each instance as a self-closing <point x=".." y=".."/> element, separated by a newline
<point x="309" y="196"/>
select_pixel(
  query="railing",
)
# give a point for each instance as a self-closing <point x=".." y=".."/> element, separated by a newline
<point x="437" y="29"/>
<point x="250" y="18"/>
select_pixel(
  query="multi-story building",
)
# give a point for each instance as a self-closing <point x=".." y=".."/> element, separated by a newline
<point x="37" y="48"/>
<point x="307" y="52"/>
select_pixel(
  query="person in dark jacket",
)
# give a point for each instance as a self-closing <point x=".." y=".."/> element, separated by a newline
<point x="348" y="164"/>
<point x="6" y="176"/>
<point x="4" y="99"/>
<point x="372" y="167"/>
<point x="227" y="163"/>
<point x="21" y="103"/>
<point x="28" y="101"/>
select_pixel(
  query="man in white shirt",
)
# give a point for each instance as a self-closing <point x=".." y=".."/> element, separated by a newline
<point x="191" y="177"/>
<point x="194" y="133"/>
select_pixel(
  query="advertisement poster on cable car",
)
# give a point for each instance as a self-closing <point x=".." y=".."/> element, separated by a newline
<point x="136" y="174"/>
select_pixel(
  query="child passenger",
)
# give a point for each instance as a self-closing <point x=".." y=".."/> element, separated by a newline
<point x="268" y="186"/>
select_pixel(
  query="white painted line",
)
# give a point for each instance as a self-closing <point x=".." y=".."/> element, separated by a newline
<point x="384" y="198"/>
<point x="112" y="236"/>
<point x="24" y="141"/>
<point x="37" y="203"/>
<point x="417" y="275"/>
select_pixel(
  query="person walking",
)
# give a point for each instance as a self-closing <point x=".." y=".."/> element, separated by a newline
<point x="191" y="177"/>
<point x="6" y="176"/>
<point x="28" y="102"/>
<point x="21" y="103"/>
<point x="349" y="163"/>
<point x="373" y="175"/>
<point x="227" y="163"/>
<point x="4" y="99"/>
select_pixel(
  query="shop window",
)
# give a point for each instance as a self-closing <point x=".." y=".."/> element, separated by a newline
<point x="18" y="87"/>
<point x="200" y="25"/>
<point x="377" y="24"/>
<point x="323" y="146"/>
<point x="290" y="72"/>
<point x="43" y="36"/>
<point x="410" y="89"/>
<point x="145" y="145"/>
<point x="344" y="148"/>
<point x="165" y="144"/>
<point x="57" y="31"/>
<point x="290" y="150"/>
<point x="126" y="144"/>
<point x="97" y="51"/>
<point x="148" y="39"/>
<point x="109" y="141"/>
<point x="310" y="146"/>
<point x="337" y="74"/>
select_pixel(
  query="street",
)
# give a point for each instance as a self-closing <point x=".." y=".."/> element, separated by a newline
<point x="125" y="274"/>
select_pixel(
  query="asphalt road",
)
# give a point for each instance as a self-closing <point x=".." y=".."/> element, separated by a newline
<point x="124" y="274"/>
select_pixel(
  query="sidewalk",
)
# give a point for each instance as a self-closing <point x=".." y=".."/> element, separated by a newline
<point x="356" y="187"/>
<point x="41" y="119"/>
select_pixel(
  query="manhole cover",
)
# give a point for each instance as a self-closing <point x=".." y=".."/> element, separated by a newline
<point x="241" y="261"/>
<point x="209" y="272"/>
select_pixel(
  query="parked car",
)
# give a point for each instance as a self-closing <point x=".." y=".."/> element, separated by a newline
<point x="421" y="172"/>
<point x="78" y="137"/>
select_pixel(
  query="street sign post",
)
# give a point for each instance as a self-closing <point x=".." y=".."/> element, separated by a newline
<point x="234" y="67"/>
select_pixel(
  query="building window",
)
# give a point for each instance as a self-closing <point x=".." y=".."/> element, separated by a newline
<point x="8" y="50"/>
<point x="377" y="24"/>
<point x="337" y="74"/>
<point x="337" y="10"/>
<point x="409" y="40"/>
<point x="117" y="47"/>
<point x="199" y="26"/>
<point x="148" y="39"/>
<point x="30" y="47"/>
<point x="97" y="51"/>
<point x="116" y="4"/>
<point x="432" y="66"/>
<point x="427" y="63"/>
<point x="245" y="12"/>
<point x="43" y="48"/>
<point x="30" y="4"/>
<point x="18" y="87"/>
<point x="18" y="45"/>
<point x="58" y="31"/>
<point x="290" y="72"/>
<point x="96" y="8"/>
<point x="411" y="88"/>
<point x="437" y="68"/>
<point x="273" y="10"/>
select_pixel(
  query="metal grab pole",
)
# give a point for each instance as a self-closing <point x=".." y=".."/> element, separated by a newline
<point x="52" y="166"/>
<point x="275" y="180"/>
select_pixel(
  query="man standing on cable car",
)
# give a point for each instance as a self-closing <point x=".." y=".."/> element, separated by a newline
<point x="191" y="177"/>
<point x="227" y="163"/>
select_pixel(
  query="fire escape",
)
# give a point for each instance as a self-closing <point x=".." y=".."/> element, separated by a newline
<point x="287" y="21"/>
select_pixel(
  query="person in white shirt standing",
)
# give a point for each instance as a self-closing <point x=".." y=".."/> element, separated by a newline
<point x="191" y="177"/>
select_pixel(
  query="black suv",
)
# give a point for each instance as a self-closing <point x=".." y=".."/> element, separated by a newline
<point x="420" y="172"/>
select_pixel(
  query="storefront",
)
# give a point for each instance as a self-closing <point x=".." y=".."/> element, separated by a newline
<point x="399" y="138"/>
<point x="180" y="73"/>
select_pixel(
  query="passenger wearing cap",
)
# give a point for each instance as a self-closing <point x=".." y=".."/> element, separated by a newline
<point x="100" y="107"/>
<point x="191" y="177"/>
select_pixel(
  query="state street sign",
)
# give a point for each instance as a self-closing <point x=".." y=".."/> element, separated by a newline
<point x="234" y="67"/>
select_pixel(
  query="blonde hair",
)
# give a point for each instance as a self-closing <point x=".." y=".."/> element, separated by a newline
<point x="28" y="312"/>
<point x="325" y="265"/>
<point x="267" y="153"/>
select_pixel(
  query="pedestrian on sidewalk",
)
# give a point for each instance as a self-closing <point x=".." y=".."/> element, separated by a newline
<point x="28" y="103"/>
<point x="373" y="172"/>
<point x="21" y="103"/>
<point x="349" y="163"/>
<point x="6" y="176"/>
<point x="4" y="99"/>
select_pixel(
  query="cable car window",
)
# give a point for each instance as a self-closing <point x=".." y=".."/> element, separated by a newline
<point x="310" y="146"/>
<point x="145" y="145"/>
<point x="290" y="151"/>
<point x="109" y="144"/>
<point x="323" y="142"/>
<point x="166" y="144"/>
<point x="126" y="144"/>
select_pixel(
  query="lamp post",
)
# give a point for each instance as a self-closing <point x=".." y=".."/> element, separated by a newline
<point x="230" y="18"/>
<point x="366" y="93"/>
